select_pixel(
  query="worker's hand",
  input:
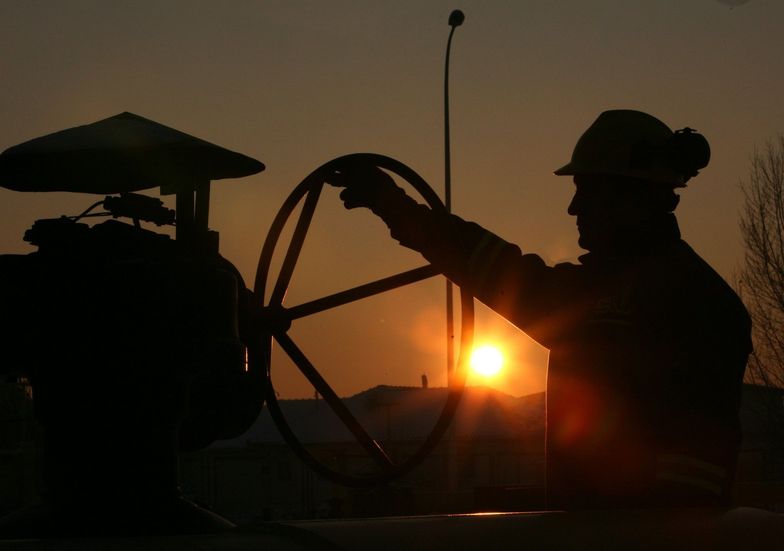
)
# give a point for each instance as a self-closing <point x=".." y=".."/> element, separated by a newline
<point x="368" y="186"/>
<point x="365" y="186"/>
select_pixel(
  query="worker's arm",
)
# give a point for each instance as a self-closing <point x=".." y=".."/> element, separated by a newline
<point x="520" y="287"/>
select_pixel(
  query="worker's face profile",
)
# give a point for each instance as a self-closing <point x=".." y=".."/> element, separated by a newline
<point x="605" y="207"/>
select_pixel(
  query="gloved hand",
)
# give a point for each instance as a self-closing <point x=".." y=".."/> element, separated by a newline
<point x="366" y="186"/>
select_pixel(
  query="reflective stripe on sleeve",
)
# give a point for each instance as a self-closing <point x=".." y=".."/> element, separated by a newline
<point x="484" y="255"/>
<point x="691" y="471"/>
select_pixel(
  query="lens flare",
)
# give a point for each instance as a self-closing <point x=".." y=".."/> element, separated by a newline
<point x="486" y="360"/>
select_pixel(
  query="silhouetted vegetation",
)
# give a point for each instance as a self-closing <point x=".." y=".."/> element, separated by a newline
<point x="761" y="279"/>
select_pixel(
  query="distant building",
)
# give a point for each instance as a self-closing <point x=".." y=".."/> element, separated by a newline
<point x="496" y="442"/>
<point x="760" y="478"/>
<point x="492" y="459"/>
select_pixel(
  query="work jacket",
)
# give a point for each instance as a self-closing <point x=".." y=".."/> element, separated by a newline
<point x="647" y="353"/>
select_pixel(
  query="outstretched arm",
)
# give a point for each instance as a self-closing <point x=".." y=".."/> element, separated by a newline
<point x="518" y="286"/>
<point x="445" y="240"/>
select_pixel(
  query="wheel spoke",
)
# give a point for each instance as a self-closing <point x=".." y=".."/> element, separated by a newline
<point x="371" y="446"/>
<point x="360" y="292"/>
<point x="297" y="240"/>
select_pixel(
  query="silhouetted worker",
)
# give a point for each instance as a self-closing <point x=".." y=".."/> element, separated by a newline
<point x="648" y="344"/>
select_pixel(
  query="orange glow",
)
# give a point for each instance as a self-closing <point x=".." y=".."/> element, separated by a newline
<point x="487" y="360"/>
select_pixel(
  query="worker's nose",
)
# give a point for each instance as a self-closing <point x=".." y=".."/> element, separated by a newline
<point x="574" y="206"/>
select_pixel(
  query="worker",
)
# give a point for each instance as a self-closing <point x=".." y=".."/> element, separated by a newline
<point x="648" y="344"/>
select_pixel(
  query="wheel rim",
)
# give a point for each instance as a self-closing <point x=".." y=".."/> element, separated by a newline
<point x="275" y="321"/>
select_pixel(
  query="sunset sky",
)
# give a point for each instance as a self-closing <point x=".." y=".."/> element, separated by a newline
<point x="297" y="83"/>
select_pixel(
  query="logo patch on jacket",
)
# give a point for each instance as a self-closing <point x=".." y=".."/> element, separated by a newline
<point x="614" y="309"/>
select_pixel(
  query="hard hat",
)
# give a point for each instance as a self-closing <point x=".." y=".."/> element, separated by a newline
<point x="634" y="144"/>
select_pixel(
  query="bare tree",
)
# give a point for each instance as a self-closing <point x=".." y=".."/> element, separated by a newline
<point x="761" y="279"/>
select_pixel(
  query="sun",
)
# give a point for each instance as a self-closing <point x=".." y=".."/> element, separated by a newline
<point x="486" y="360"/>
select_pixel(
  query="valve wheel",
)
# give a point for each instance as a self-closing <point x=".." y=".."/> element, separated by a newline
<point x="276" y="319"/>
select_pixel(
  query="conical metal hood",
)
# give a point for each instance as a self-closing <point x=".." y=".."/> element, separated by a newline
<point x="122" y="153"/>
